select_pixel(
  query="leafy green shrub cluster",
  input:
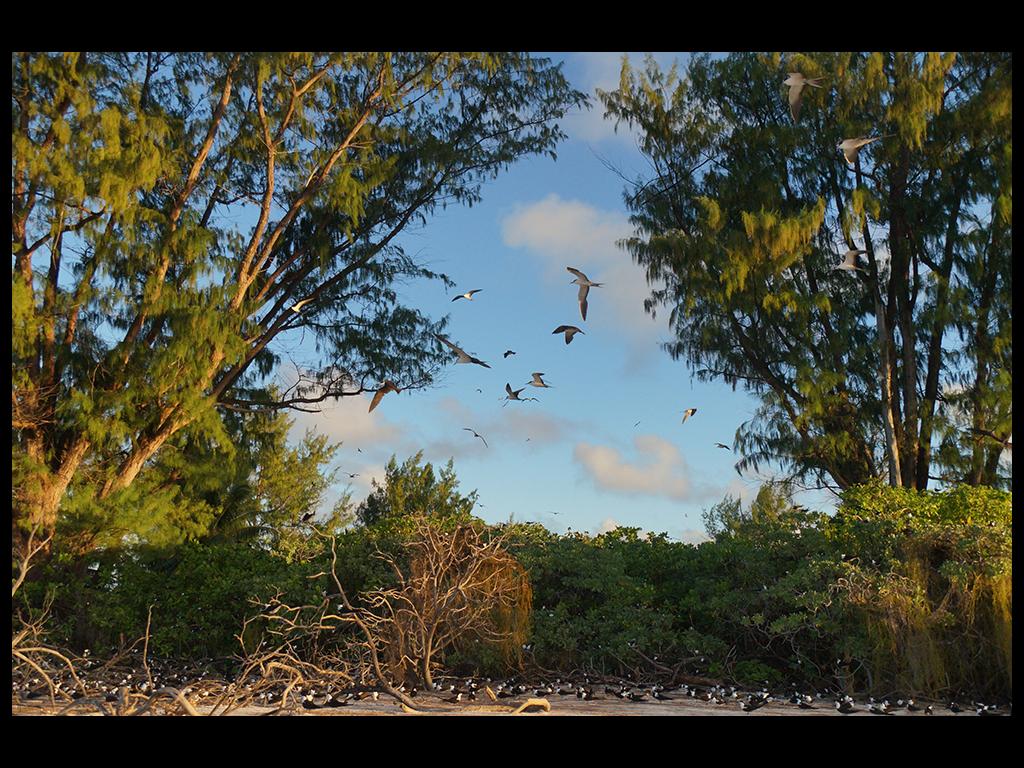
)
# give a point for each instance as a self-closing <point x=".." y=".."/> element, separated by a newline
<point x="896" y="591"/>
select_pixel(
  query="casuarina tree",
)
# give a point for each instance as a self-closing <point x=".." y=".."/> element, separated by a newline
<point x="175" y="213"/>
<point x="898" y="365"/>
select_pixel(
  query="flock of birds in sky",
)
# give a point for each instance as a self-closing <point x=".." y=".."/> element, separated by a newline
<point x="850" y="149"/>
<point x="537" y="377"/>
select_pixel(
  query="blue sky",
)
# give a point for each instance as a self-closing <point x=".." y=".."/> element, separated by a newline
<point x="585" y="466"/>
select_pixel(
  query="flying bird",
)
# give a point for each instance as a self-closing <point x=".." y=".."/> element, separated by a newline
<point x="508" y="352"/>
<point x="537" y="381"/>
<point x="687" y="414"/>
<point x="463" y="357"/>
<point x="722" y="445"/>
<point x="851" y="147"/>
<point x="796" y="83"/>
<point x="850" y="260"/>
<point x="467" y="429"/>
<point x="389" y="386"/>
<point x="585" y="285"/>
<point x="569" y="331"/>
<point x="514" y="395"/>
<point x="297" y="306"/>
<point x="468" y="295"/>
<point x="636" y="425"/>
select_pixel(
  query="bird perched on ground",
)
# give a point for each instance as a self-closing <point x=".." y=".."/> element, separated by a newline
<point x="537" y="381"/>
<point x="585" y="285"/>
<point x="796" y="83"/>
<point x="569" y="331"/>
<point x="753" y="702"/>
<point x="389" y="386"/>
<point x="688" y="413"/>
<point x="468" y="295"/>
<point x="850" y="260"/>
<point x="508" y="352"/>
<point x="467" y="429"/>
<point x="845" y="707"/>
<point x="850" y="147"/>
<point x="462" y="356"/>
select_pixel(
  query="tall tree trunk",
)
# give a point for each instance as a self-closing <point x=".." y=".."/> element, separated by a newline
<point x="931" y="387"/>
<point x="900" y="255"/>
<point x="884" y="359"/>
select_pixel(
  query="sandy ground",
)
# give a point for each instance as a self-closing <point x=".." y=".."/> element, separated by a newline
<point x="567" y="706"/>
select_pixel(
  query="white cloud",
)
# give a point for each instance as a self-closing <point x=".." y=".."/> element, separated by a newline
<point x="347" y="420"/>
<point x="660" y="469"/>
<point x="512" y="425"/>
<point x="563" y="233"/>
<point x="608" y="525"/>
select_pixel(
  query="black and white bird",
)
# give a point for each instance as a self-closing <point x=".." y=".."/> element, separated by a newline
<point x="845" y="707"/>
<point x="796" y="83"/>
<point x="297" y="306"/>
<point x="463" y="357"/>
<point x="569" y="331"/>
<point x="585" y="285"/>
<point x="468" y="295"/>
<point x="688" y="413"/>
<point x="307" y="517"/>
<point x="753" y="702"/>
<point x="508" y="352"/>
<point x="475" y="434"/>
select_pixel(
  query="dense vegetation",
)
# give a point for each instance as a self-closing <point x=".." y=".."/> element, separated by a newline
<point x="899" y="590"/>
<point x="903" y="369"/>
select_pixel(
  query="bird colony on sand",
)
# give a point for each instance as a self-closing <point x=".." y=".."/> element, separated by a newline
<point x="850" y="149"/>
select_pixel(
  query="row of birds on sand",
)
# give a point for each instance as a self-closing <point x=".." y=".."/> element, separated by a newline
<point x="469" y="690"/>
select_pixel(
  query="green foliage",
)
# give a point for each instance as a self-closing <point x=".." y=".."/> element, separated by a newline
<point x="412" y="489"/>
<point x="249" y="485"/>
<point x="747" y="213"/>
<point x="898" y="590"/>
<point x="186" y="202"/>
<point x="200" y="596"/>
